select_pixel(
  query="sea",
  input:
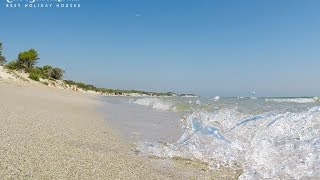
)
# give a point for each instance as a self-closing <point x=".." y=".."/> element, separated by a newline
<point x="266" y="137"/>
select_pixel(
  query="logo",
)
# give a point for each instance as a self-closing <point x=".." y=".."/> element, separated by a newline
<point x="42" y="4"/>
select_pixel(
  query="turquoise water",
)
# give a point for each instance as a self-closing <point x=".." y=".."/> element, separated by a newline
<point x="266" y="137"/>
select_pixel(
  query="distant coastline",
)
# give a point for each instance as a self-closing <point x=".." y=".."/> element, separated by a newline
<point x="25" y="69"/>
<point x="9" y="74"/>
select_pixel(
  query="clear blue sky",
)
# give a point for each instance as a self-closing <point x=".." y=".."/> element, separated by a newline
<point x="206" y="47"/>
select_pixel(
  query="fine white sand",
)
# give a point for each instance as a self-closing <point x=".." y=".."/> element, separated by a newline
<point x="49" y="133"/>
<point x="54" y="134"/>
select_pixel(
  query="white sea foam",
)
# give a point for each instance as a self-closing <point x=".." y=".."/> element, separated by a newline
<point x="293" y="100"/>
<point x="198" y="102"/>
<point x="265" y="146"/>
<point x="155" y="103"/>
<point x="217" y="98"/>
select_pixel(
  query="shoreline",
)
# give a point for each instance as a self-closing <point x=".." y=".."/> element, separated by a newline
<point x="59" y="134"/>
<point x="49" y="133"/>
<point x="139" y="124"/>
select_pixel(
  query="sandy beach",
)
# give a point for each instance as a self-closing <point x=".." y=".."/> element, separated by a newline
<point x="49" y="133"/>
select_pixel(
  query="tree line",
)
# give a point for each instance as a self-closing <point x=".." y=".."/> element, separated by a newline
<point x="27" y="60"/>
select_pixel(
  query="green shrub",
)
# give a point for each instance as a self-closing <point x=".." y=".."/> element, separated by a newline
<point x="27" y="59"/>
<point x="36" y="73"/>
<point x="39" y="72"/>
<point x="54" y="73"/>
<point x="2" y="58"/>
<point x="86" y="87"/>
<point x="69" y="82"/>
<point x="13" y="65"/>
<point x="57" y="73"/>
<point x="34" y="76"/>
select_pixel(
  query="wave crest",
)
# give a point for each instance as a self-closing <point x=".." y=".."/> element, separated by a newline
<point x="293" y="100"/>
<point x="155" y="103"/>
<point x="268" y="145"/>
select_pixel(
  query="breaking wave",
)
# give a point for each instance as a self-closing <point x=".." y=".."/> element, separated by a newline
<point x="266" y="146"/>
<point x="155" y="103"/>
<point x="293" y="100"/>
<point x="168" y="104"/>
